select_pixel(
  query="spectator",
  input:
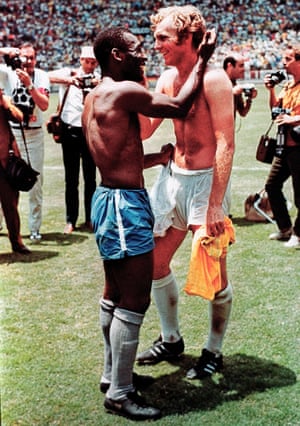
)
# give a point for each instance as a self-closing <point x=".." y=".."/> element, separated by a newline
<point x="60" y="28"/>
<point x="9" y="197"/>
<point x="74" y="148"/>
<point x="234" y="67"/>
<point x="29" y="89"/>
<point x="287" y="162"/>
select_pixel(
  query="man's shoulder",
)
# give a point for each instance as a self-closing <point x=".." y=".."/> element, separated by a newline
<point x="40" y="74"/>
<point x="4" y="69"/>
<point x="40" y="71"/>
<point x="214" y="74"/>
<point x="168" y="73"/>
<point x="166" y="79"/>
<point x="214" y="70"/>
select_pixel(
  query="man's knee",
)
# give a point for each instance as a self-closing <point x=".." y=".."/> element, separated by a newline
<point x="163" y="282"/>
<point x="224" y="296"/>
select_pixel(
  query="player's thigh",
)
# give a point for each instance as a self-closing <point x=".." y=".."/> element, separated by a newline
<point x="165" y="248"/>
<point x="130" y="278"/>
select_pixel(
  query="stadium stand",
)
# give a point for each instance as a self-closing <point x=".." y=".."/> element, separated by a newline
<point x="258" y="29"/>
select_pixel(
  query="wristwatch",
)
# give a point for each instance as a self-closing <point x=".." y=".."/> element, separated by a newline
<point x="30" y="87"/>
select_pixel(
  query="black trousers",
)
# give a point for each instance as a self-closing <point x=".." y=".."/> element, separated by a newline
<point x="282" y="168"/>
<point x="75" y="152"/>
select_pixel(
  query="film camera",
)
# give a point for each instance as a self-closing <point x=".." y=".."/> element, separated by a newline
<point x="248" y="89"/>
<point x="278" y="110"/>
<point x="282" y="130"/>
<point x="277" y="77"/>
<point x="86" y="83"/>
<point x="14" y="61"/>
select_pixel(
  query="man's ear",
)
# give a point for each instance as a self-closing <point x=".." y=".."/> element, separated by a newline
<point x="117" y="54"/>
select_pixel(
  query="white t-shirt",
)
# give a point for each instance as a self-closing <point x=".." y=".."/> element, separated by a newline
<point x="9" y="81"/>
<point x="73" y="107"/>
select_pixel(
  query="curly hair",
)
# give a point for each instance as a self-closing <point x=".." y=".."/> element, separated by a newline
<point x="186" y="19"/>
<point x="108" y="39"/>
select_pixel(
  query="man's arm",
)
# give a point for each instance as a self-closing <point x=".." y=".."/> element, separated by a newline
<point x="14" y="113"/>
<point x="218" y="92"/>
<point x="162" y="157"/>
<point x="273" y="99"/>
<point x="243" y="105"/>
<point x="62" y="76"/>
<point x="133" y="97"/>
<point x="38" y="94"/>
<point x="148" y="125"/>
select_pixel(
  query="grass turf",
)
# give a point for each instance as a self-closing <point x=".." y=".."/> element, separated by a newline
<point x="51" y="346"/>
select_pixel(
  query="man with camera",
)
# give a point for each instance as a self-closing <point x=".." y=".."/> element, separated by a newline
<point x="286" y="114"/>
<point x="29" y="89"/>
<point x="74" y="148"/>
<point x="234" y="66"/>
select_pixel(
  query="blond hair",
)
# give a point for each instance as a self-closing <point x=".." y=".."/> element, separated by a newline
<point x="186" y="19"/>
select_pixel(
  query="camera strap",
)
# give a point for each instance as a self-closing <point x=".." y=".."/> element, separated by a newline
<point x="12" y="138"/>
<point x="269" y="128"/>
<point x="25" y="144"/>
<point x="61" y="106"/>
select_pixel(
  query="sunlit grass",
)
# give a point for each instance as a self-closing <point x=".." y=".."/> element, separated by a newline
<point x="51" y="347"/>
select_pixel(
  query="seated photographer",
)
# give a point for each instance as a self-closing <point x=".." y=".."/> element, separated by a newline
<point x="78" y="82"/>
<point x="234" y="66"/>
<point x="286" y="114"/>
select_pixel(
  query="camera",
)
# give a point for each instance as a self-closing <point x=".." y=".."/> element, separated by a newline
<point x="87" y="82"/>
<point x="276" y="78"/>
<point x="14" y="61"/>
<point x="248" y="90"/>
<point x="278" y="110"/>
<point x="281" y="132"/>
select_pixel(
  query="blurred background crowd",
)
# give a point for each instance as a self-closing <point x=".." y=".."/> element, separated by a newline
<point x="258" y="29"/>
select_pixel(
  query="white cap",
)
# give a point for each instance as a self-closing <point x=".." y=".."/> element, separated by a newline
<point x="87" y="52"/>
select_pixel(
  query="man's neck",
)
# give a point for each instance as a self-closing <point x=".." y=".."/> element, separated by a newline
<point x="296" y="78"/>
<point x="186" y="65"/>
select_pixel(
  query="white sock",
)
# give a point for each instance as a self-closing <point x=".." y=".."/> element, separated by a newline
<point x="124" y="338"/>
<point x="165" y="294"/>
<point x="219" y="312"/>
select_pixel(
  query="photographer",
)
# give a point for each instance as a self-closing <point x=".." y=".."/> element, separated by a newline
<point x="286" y="114"/>
<point x="78" y="83"/>
<point x="234" y="66"/>
<point x="29" y="89"/>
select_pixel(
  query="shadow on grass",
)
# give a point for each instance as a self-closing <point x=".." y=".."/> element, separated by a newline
<point x="38" y="252"/>
<point x="241" y="221"/>
<point x="242" y="375"/>
<point x="35" y="256"/>
<point x="60" y="239"/>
